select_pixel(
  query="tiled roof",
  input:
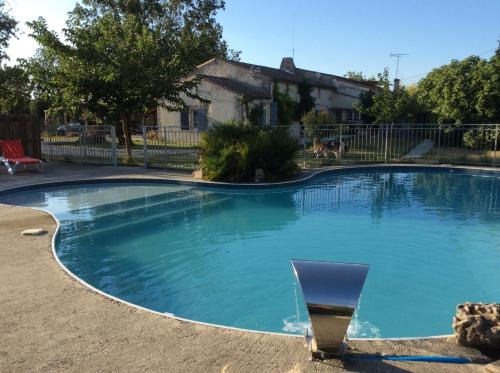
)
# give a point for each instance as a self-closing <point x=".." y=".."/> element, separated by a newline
<point x="243" y="89"/>
<point x="313" y="78"/>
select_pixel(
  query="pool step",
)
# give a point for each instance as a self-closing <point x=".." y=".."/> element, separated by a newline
<point x="82" y="231"/>
<point x="129" y="210"/>
<point x="136" y="208"/>
<point x="117" y="217"/>
<point x="134" y="202"/>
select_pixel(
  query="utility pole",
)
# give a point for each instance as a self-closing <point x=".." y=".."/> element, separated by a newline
<point x="398" y="55"/>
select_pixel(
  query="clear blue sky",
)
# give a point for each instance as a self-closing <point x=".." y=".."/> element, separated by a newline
<point x="334" y="36"/>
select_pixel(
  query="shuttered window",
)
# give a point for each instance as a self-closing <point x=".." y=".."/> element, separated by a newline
<point x="184" y="120"/>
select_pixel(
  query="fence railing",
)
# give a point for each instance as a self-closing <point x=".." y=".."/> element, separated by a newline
<point x="22" y="127"/>
<point x="321" y="145"/>
<point x="170" y="147"/>
<point x="422" y="143"/>
<point x="84" y="144"/>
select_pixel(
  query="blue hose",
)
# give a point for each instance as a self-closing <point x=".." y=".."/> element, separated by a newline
<point x="429" y="359"/>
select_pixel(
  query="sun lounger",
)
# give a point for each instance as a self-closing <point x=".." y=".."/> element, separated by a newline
<point x="13" y="156"/>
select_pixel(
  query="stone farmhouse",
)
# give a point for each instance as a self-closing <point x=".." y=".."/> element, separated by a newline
<point x="235" y="87"/>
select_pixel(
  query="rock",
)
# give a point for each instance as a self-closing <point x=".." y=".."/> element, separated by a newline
<point x="33" y="232"/>
<point x="197" y="174"/>
<point x="478" y="325"/>
<point x="259" y="175"/>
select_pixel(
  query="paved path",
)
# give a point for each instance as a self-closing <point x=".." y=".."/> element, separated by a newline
<point x="50" y="322"/>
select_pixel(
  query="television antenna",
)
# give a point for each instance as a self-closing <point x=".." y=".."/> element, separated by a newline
<point x="398" y="56"/>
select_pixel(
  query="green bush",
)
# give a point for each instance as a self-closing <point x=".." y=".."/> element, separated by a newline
<point x="233" y="152"/>
<point x="314" y="123"/>
<point x="483" y="138"/>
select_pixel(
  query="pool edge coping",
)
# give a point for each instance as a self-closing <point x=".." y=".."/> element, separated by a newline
<point x="217" y="184"/>
<point x="169" y="180"/>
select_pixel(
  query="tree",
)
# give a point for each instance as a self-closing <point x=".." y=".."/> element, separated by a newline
<point x="313" y="122"/>
<point x="7" y="30"/>
<point x="466" y="91"/>
<point x="355" y="75"/>
<point x="386" y="106"/>
<point x="42" y="70"/>
<point x="306" y="101"/>
<point x="364" y="106"/>
<point x="128" y="57"/>
<point x="14" y="90"/>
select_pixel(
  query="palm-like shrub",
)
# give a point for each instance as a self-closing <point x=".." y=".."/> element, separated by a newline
<point x="233" y="152"/>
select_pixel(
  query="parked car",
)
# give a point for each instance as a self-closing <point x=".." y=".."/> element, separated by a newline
<point x="72" y="128"/>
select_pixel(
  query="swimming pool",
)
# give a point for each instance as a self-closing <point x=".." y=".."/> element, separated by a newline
<point x="221" y="255"/>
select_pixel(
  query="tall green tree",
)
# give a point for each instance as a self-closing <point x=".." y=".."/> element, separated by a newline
<point x="466" y="91"/>
<point x="14" y="87"/>
<point x="388" y="106"/>
<point x="14" y="90"/>
<point x="7" y="29"/>
<point x="123" y="57"/>
<point x="355" y="75"/>
<point x="358" y="75"/>
<point x="42" y="70"/>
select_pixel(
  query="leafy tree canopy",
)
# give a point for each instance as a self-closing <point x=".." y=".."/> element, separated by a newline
<point x="466" y="91"/>
<point x="14" y="90"/>
<point x="358" y="75"/>
<point x="14" y="87"/>
<point x="389" y="106"/>
<point x="7" y="29"/>
<point x="122" y="57"/>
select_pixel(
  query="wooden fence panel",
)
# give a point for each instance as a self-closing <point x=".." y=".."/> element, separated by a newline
<point x="22" y="127"/>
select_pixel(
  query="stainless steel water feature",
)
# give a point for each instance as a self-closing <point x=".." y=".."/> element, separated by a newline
<point x="331" y="292"/>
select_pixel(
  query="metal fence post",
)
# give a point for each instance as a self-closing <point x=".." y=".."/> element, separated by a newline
<point x="113" y="146"/>
<point x="439" y="145"/>
<point x="145" y="145"/>
<point x="340" y="143"/>
<point x="386" y="141"/>
<point x="496" y="146"/>
<point x="83" y="144"/>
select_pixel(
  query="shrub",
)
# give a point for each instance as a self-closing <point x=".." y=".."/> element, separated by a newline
<point x="285" y="106"/>
<point x="233" y="152"/>
<point x="313" y="122"/>
<point x="483" y="138"/>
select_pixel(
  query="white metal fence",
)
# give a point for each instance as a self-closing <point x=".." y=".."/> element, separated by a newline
<point x="84" y="144"/>
<point x="409" y="143"/>
<point x="171" y="147"/>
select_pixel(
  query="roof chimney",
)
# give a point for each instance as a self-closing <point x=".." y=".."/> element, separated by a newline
<point x="396" y="84"/>
<point x="287" y="64"/>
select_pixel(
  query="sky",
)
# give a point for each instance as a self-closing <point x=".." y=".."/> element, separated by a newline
<point x="330" y="36"/>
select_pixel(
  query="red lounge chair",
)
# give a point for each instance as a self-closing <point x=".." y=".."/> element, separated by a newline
<point x="13" y="156"/>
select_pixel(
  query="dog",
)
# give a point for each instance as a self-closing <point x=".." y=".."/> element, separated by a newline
<point x="329" y="146"/>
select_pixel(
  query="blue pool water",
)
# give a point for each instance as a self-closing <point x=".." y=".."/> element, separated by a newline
<point x="432" y="240"/>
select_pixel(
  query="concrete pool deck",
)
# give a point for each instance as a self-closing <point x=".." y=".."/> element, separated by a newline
<point x="51" y="322"/>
